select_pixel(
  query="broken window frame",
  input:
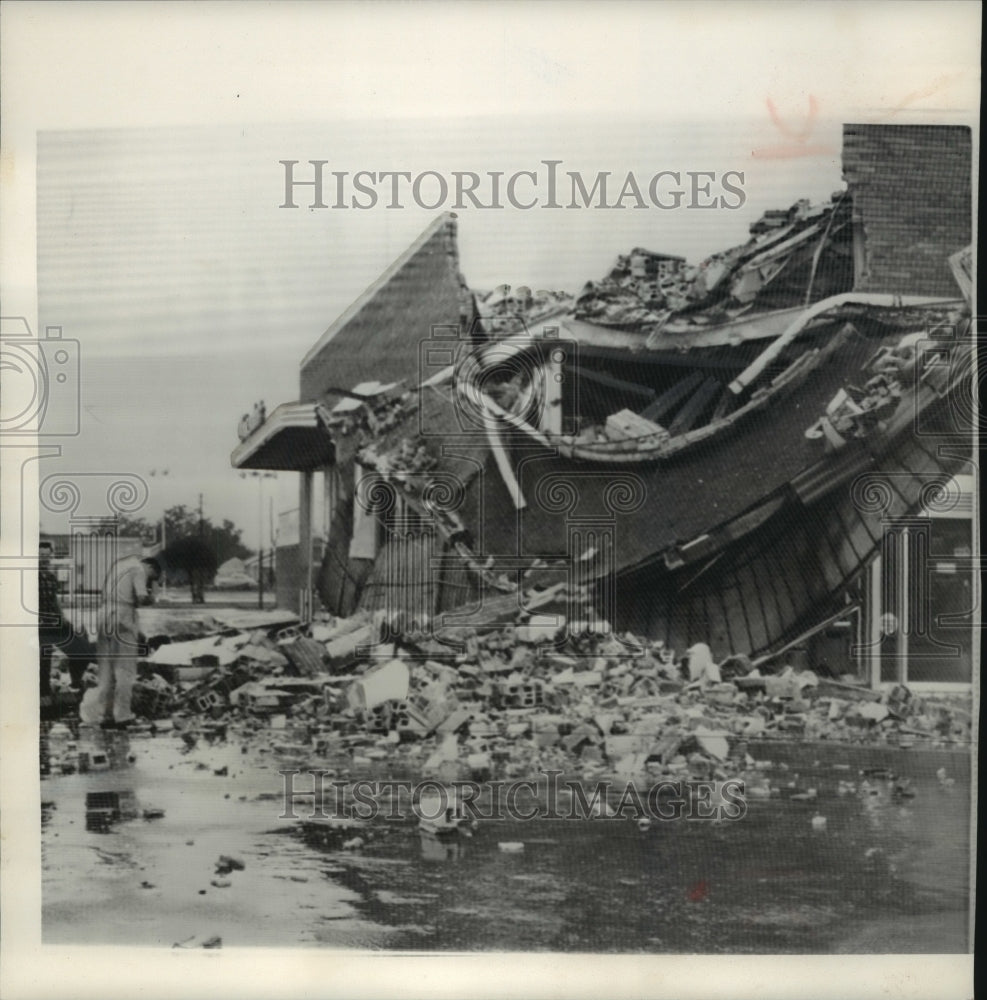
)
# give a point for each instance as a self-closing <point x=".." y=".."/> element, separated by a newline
<point x="892" y="592"/>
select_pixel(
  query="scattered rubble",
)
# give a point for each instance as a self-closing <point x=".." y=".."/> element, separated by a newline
<point x="104" y="809"/>
<point x="227" y="863"/>
<point x="505" y="310"/>
<point x="370" y="409"/>
<point x="511" y="701"/>
<point x="646" y="290"/>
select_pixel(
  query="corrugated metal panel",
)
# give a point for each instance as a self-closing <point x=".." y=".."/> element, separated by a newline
<point x="401" y="582"/>
<point x="776" y="582"/>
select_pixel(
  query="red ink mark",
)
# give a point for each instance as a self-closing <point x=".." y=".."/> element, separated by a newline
<point x="797" y="144"/>
<point x="914" y="96"/>
<point x="799" y="135"/>
<point x="698" y="892"/>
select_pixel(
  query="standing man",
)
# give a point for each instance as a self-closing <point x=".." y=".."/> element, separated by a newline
<point x="129" y="584"/>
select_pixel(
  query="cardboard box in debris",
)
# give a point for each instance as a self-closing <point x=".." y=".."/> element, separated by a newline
<point x="522" y="694"/>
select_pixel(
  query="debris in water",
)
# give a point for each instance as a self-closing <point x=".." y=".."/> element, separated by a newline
<point x="197" y="941"/>
<point x="226" y="864"/>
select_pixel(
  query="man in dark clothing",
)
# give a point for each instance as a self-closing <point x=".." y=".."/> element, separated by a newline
<point x="53" y="630"/>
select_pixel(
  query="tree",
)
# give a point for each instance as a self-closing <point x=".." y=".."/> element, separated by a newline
<point x="194" y="548"/>
<point x="132" y="527"/>
<point x="224" y="540"/>
<point x="196" y="559"/>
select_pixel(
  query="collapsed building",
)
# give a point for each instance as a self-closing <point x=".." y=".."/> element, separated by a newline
<point x="772" y="448"/>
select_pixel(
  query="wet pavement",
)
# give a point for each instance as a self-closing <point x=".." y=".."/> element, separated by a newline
<point x="886" y="874"/>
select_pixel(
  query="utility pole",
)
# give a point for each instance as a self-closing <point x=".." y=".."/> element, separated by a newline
<point x="164" y="539"/>
<point x="260" y="477"/>
<point x="164" y="545"/>
<point x="260" y="543"/>
<point x="201" y="526"/>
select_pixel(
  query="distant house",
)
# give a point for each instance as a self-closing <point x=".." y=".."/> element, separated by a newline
<point x="781" y="460"/>
<point x="232" y="567"/>
<point x="233" y="575"/>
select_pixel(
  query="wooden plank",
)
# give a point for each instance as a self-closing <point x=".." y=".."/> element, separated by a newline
<point x="760" y="567"/>
<point x="672" y="397"/>
<point x="824" y="562"/>
<point x="728" y="630"/>
<point x="608" y="381"/>
<point x="742" y="610"/>
<point x="822" y="477"/>
<point x="865" y="529"/>
<point x="699" y="620"/>
<point x="647" y="605"/>
<point x="679" y="628"/>
<point x="632" y="427"/>
<point x="696" y="406"/>
<point x="728" y="402"/>
<point x="765" y="622"/>
<point x="841" y="545"/>
<point x="749" y="608"/>
<point x="787" y="580"/>
<point x="807" y="565"/>
<point x="903" y="481"/>
<point x="853" y="531"/>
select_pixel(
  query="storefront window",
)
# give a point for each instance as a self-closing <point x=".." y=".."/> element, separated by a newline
<point x="929" y="592"/>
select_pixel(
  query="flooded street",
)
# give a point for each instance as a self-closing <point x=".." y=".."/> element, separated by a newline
<point x="886" y="874"/>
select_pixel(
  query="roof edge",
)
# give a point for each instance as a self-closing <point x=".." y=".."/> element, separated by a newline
<point x="386" y="275"/>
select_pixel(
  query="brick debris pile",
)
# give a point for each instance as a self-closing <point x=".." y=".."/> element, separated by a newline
<point x="514" y="700"/>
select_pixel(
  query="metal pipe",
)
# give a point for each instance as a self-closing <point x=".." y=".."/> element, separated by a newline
<point x="882" y="299"/>
<point x="500" y="455"/>
<point x="807" y="634"/>
<point x="822" y="244"/>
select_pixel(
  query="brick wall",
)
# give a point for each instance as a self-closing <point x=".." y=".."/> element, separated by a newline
<point x="911" y="199"/>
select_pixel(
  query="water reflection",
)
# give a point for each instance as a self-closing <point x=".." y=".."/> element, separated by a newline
<point x="442" y="848"/>
<point x="767" y="883"/>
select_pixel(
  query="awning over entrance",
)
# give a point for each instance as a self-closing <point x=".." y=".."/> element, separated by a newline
<point x="294" y="437"/>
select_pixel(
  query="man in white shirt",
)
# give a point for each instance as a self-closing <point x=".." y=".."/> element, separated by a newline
<point x="129" y="584"/>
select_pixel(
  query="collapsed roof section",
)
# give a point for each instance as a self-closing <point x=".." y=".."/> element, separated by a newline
<point x="734" y="403"/>
<point x="855" y="383"/>
<point x="379" y="335"/>
<point x="794" y="257"/>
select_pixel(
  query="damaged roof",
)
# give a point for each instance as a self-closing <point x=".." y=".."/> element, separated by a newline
<point x="715" y="481"/>
<point x="380" y="333"/>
